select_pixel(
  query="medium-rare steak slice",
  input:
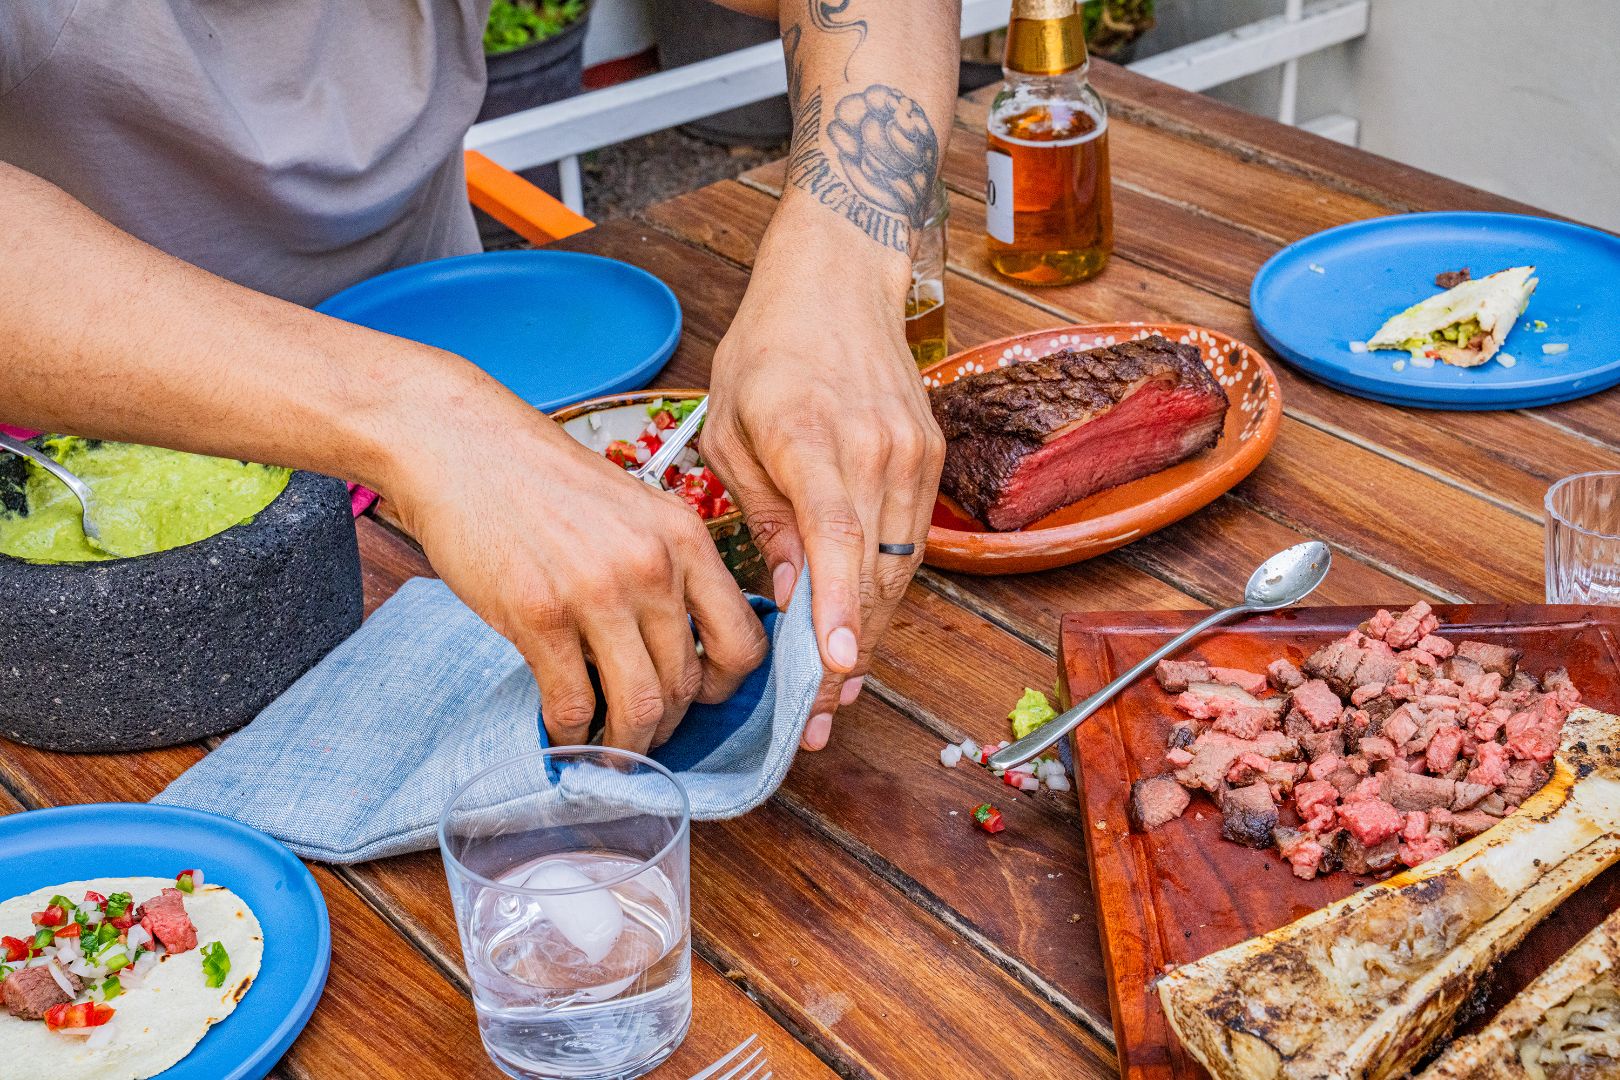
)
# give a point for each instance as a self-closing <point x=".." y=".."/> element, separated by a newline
<point x="1026" y="439"/>
<point x="1156" y="800"/>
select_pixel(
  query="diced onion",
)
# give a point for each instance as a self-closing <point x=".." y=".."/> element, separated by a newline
<point x="950" y="755"/>
<point x="1027" y="768"/>
<point x="146" y="963"/>
<point x="137" y="936"/>
<point x="1051" y="768"/>
<point x="595" y="420"/>
<point x="1399" y="365"/>
<point x="82" y="968"/>
<point x="66" y="949"/>
<point x="970" y="749"/>
<point x="1358" y="347"/>
<point x="93" y="917"/>
<point x="61" y="980"/>
<point x="1318" y="268"/>
<point x="1028" y="783"/>
<point x="1423" y="361"/>
<point x="197" y="880"/>
<point x="1554" y="348"/>
<point x="1506" y="359"/>
<point x="1058" y="783"/>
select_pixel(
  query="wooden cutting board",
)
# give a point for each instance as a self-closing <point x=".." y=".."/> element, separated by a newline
<point x="1181" y="892"/>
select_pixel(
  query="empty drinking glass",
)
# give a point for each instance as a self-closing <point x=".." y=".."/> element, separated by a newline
<point x="1583" y="539"/>
<point x="569" y="873"/>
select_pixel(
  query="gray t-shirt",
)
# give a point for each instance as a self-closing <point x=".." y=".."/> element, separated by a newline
<point x="294" y="146"/>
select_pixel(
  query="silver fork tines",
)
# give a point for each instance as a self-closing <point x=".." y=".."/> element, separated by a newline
<point x="746" y="1069"/>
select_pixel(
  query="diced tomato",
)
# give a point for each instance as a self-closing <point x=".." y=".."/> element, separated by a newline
<point x="989" y="818"/>
<point x="721" y="505"/>
<point x="663" y="419"/>
<point x="54" y="915"/>
<point x="72" y="929"/>
<point x="621" y="453"/>
<point x="711" y="482"/>
<point x="126" y="920"/>
<point x="651" y="441"/>
<point x="84" y="1015"/>
<point x="672" y="476"/>
<point x="93" y="897"/>
<point x="15" y="948"/>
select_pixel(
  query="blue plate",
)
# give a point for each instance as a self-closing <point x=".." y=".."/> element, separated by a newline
<point x="73" y="843"/>
<point x="555" y="327"/>
<point x="1371" y="270"/>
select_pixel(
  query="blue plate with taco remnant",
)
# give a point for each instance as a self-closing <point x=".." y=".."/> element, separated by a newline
<point x="555" y="327"/>
<point x="74" y="843"/>
<point x="1316" y="296"/>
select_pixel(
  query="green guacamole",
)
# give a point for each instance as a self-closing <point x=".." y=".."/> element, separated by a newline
<point x="147" y="499"/>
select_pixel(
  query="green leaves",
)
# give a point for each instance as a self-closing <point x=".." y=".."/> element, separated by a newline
<point x="216" y="964"/>
<point x="118" y="904"/>
<point x="516" y="23"/>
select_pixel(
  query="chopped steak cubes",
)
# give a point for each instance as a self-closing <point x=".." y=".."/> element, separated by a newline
<point x="1384" y="748"/>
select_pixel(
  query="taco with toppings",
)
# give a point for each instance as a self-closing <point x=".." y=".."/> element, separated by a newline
<point x="119" y="978"/>
<point x="1465" y="325"/>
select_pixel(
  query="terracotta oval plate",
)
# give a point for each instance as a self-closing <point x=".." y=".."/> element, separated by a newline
<point x="1112" y="518"/>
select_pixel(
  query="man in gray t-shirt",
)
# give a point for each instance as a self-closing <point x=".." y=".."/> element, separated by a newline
<point x="178" y="178"/>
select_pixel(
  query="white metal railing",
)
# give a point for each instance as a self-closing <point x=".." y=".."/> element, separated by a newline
<point x="562" y="131"/>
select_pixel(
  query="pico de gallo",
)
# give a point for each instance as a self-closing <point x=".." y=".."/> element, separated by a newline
<point x="688" y="477"/>
<point x="81" y="955"/>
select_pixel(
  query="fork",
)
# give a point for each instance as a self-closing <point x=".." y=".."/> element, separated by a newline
<point x="748" y="1068"/>
<point x="653" y="471"/>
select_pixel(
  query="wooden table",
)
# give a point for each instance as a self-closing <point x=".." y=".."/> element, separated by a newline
<point x="858" y="923"/>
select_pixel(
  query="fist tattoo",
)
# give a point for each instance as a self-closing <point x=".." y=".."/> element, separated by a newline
<point x="888" y="150"/>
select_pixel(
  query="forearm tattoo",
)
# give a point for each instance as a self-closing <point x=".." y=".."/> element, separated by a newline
<point x="884" y="152"/>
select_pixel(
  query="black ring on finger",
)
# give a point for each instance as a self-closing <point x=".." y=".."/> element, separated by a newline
<point x="896" y="549"/>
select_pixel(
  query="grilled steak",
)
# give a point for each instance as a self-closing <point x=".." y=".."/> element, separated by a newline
<point x="1026" y="439"/>
<point x="1156" y="800"/>
<point x="164" y="917"/>
<point x="29" y="992"/>
<point x="1411" y="743"/>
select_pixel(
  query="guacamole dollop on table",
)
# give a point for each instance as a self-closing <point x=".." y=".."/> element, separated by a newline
<point x="147" y="499"/>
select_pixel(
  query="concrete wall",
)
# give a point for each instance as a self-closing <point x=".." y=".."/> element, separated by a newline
<point x="1520" y="97"/>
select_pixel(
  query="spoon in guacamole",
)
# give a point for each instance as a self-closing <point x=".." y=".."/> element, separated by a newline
<point x="81" y="490"/>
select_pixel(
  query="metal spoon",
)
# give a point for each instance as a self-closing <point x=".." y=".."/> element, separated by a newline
<point x="653" y="471"/>
<point x="1286" y="578"/>
<point x="81" y="490"/>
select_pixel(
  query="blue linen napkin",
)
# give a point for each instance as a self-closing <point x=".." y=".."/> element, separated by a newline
<point x="357" y="759"/>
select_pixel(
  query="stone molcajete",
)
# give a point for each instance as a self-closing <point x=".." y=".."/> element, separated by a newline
<point x="160" y="649"/>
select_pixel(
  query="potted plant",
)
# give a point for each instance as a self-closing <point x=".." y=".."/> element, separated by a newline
<point x="534" y="51"/>
<point x="1114" y="26"/>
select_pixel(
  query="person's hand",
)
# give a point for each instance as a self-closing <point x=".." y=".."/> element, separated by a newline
<point x="821" y="430"/>
<point x="574" y="560"/>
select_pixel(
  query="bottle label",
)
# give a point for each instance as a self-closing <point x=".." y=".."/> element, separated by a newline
<point x="998" y="196"/>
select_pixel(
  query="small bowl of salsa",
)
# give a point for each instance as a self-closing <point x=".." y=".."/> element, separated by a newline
<point x="628" y="428"/>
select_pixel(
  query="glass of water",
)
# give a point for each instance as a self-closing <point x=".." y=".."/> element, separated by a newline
<point x="569" y="873"/>
<point x="1583" y="539"/>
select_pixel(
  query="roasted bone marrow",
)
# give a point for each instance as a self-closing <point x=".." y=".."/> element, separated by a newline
<point x="1563" y="1026"/>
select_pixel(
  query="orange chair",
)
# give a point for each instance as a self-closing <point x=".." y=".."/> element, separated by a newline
<point x="518" y="204"/>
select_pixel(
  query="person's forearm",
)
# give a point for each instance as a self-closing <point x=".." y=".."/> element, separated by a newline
<point x="103" y="335"/>
<point x="872" y="86"/>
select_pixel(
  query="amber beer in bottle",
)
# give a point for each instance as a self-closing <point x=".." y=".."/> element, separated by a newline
<point x="1049" y="208"/>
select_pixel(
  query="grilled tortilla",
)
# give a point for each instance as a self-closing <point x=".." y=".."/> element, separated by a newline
<point x="1466" y="324"/>
<point x="158" y="1022"/>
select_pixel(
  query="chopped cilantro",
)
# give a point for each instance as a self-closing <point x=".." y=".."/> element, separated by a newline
<point x="216" y="963"/>
<point x="118" y="904"/>
<point x="680" y="410"/>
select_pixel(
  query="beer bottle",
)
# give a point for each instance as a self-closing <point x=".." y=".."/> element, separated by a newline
<point x="1049" y="214"/>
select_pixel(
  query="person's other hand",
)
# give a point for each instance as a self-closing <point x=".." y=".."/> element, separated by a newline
<point x="821" y="430"/>
<point x="574" y="560"/>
